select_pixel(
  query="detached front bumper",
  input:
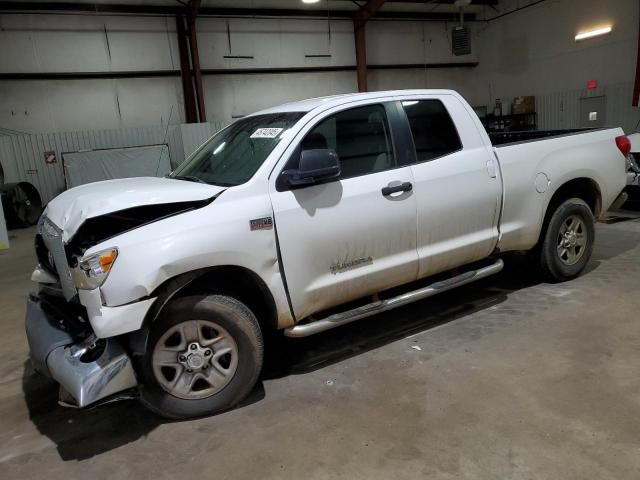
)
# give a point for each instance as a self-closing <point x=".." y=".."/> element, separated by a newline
<point x="88" y="370"/>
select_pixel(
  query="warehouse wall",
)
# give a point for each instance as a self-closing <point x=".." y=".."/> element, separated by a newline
<point x="533" y="52"/>
<point x="84" y="43"/>
<point x="63" y="105"/>
<point x="272" y="43"/>
<point x="72" y="43"/>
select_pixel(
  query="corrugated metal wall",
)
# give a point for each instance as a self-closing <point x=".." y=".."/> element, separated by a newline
<point x="23" y="156"/>
<point x="562" y="110"/>
<point x="194" y="135"/>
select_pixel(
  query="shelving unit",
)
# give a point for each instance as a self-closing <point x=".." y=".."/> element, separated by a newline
<point x="511" y="123"/>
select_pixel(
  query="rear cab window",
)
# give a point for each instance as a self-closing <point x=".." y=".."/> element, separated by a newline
<point x="432" y="128"/>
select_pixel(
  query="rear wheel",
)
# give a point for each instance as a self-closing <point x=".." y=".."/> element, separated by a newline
<point x="204" y="355"/>
<point x="568" y="241"/>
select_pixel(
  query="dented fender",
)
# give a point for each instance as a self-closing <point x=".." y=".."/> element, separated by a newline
<point x="218" y="234"/>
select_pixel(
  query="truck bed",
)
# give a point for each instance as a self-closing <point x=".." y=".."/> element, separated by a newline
<point x="506" y="138"/>
<point x="534" y="164"/>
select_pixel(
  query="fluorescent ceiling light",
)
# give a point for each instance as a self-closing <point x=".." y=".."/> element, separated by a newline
<point x="310" y="1"/>
<point x="593" y="33"/>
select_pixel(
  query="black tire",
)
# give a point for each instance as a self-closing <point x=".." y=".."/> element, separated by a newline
<point x="239" y="322"/>
<point x="551" y="264"/>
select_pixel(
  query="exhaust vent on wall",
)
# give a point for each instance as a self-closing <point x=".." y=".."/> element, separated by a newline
<point x="461" y="40"/>
<point x="460" y="35"/>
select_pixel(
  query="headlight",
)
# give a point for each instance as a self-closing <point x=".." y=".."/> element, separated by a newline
<point x="93" y="270"/>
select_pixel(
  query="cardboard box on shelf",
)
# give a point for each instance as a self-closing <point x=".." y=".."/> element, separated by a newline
<point x="523" y="105"/>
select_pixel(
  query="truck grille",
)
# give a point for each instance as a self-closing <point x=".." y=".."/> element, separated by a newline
<point x="52" y="256"/>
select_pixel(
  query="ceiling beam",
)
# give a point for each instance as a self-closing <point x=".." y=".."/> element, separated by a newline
<point x="367" y="11"/>
<point x="121" y="9"/>
<point x="223" y="71"/>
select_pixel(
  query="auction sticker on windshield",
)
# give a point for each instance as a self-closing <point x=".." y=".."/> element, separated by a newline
<point x="266" y="133"/>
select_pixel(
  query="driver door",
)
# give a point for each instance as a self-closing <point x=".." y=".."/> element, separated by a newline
<point x="346" y="239"/>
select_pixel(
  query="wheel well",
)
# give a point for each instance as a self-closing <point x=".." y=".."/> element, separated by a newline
<point x="583" y="188"/>
<point x="237" y="282"/>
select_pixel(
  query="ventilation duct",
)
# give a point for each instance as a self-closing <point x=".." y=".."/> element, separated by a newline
<point x="461" y="35"/>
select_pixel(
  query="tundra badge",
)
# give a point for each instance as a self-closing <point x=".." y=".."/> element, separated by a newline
<point x="264" y="223"/>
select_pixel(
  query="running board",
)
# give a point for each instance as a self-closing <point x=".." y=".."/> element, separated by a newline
<point x="337" y="319"/>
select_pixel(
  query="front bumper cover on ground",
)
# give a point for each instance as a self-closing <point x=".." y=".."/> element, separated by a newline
<point x="88" y="376"/>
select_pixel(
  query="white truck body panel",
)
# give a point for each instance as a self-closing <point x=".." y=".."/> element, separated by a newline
<point x="338" y="223"/>
<point x="215" y="235"/>
<point x="458" y="195"/>
<point x="533" y="171"/>
<point x="342" y="240"/>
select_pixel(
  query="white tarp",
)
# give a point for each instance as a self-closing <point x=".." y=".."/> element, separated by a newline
<point x="4" y="236"/>
<point x="96" y="165"/>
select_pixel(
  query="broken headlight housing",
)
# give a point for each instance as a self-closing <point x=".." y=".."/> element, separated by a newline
<point x="92" y="270"/>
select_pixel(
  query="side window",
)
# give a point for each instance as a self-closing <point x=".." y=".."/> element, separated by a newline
<point x="434" y="133"/>
<point x="361" y="138"/>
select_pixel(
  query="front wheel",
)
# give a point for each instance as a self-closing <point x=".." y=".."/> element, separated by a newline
<point x="204" y="355"/>
<point x="568" y="241"/>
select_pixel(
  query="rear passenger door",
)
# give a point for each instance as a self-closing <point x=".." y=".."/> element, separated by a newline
<point x="343" y="240"/>
<point x="457" y="184"/>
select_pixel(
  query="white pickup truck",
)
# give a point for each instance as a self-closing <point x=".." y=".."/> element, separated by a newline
<point x="301" y="218"/>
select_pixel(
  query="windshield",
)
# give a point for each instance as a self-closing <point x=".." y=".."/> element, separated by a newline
<point x="234" y="154"/>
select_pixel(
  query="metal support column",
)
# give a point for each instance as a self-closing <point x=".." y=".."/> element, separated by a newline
<point x="197" y="74"/>
<point x="361" y="54"/>
<point x="359" y="22"/>
<point x="191" y="115"/>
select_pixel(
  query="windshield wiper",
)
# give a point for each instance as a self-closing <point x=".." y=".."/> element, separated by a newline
<point x="189" y="178"/>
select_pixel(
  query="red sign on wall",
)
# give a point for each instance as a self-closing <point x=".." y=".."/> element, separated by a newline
<point x="50" y="157"/>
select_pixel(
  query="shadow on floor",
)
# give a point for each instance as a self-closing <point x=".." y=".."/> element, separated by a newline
<point x="289" y="356"/>
<point x="81" y="434"/>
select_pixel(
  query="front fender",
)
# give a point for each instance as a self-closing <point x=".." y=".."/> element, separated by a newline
<point x="216" y="235"/>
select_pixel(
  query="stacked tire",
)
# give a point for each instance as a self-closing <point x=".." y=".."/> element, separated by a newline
<point x="21" y="203"/>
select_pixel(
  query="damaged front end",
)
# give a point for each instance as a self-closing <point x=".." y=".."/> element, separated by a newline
<point x="74" y="337"/>
<point x="96" y="230"/>
<point x="88" y="369"/>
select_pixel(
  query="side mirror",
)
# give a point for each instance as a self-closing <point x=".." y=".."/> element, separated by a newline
<point x="316" y="167"/>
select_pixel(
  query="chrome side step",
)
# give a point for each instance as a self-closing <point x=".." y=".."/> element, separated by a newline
<point x="337" y="319"/>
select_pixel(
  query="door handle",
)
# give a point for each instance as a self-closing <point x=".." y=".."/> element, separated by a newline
<point x="491" y="168"/>
<point x="403" y="187"/>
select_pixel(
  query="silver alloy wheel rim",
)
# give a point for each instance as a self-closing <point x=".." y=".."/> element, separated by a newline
<point x="195" y="359"/>
<point x="572" y="240"/>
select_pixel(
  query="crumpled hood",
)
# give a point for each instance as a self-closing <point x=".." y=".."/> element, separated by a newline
<point x="70" y="209"/>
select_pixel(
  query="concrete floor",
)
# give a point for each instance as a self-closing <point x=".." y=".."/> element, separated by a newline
<point x="504" y="379"/>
